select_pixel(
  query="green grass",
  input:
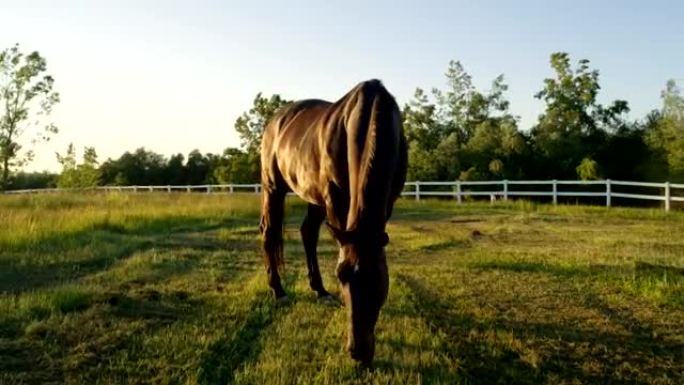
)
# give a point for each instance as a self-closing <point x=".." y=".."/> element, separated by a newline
<point x="170" y="289"/>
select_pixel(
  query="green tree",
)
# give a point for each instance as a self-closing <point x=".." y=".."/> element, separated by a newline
<point x="574" y="125"/>
<point x="250" y="125"/>
<point x="463" y="133"/>
<point x="73" y="175"/>
<point x="33" y="180"/>
<point x="141" y="167"/>
<point x="626" y="156"/>
<point x="235" y="166"/>
<point x="26" y="96"/>
<point x="424" y="131"/>
<point x="587" y="169"/>
<point x="462" y="107"/>
<point x="174" y="173"/>
<point x="422" y="126"/>
<point x="196" y="168"/>
<point x="666" y="136"/>
<point x="495" y="149"/>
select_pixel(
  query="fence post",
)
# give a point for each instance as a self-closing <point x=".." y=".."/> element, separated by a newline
<point x="458" y="192"/>
<point x="230" y="188"/>
<point x="555" y="191"/>
<point x="208" y="189"/>
<point x="667" y="196"/>
<point x="417" y="190"/>
<point x="187" y="189"/>
<point x="256" y="188"/>
<point x="608" y="193"/>
<point x="135" y="189"/>
<point x="168" y="189"/>
<point x="505" y="189"/>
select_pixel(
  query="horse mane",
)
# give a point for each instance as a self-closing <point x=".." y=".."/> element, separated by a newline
<point x="376" y="109"/>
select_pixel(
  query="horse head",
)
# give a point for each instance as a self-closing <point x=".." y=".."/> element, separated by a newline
<point x="364" y="283"/>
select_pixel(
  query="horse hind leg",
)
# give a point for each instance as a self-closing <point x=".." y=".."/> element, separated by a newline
<point x="271" y="227"/>
<point x="309" y="231"/>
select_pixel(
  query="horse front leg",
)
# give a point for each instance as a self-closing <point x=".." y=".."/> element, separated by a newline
<point x="309" y="231"/>
<point x="271" y="227"/>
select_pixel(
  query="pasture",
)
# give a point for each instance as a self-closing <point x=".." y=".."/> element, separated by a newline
<point x="158" y="288"/>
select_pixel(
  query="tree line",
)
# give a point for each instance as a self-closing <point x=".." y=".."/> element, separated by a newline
<point x="455" y="133"/>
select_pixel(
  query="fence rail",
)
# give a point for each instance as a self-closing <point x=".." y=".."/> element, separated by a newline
<point x="503" y="189"/>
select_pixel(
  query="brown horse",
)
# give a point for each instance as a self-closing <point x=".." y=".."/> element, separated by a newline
<point x="348" y="161"/>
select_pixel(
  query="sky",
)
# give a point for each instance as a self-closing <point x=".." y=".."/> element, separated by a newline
<point x="172" y="76"/>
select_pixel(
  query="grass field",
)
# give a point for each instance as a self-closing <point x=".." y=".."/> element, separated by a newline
<point x="156" y="288"/>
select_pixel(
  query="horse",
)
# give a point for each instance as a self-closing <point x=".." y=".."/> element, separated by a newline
<point x="348" y="161"/>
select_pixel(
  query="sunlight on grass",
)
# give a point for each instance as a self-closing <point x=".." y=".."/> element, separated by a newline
<point x="171" y="288"/>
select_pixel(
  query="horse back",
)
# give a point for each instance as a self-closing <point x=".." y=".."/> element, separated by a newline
<point x="348" y="156"/>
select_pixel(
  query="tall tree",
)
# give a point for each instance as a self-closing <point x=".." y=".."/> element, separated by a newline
<point x="235" y="166"/>
<point x="574" y="126"/>
<point x="463" y="133"/>
<point x="424" y="131"/>
<point x="250" y="125"/>
<point x="174" y="173"/>
<point x="667" y="134"/>
<point x="196" y="168"/>
<point x="26" y="96"/>
<point x="141" y="167"/>
<point x="33" y="180"/>
<point x="74" y="175"/>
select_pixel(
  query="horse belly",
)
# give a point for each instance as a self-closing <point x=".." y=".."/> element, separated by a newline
<point x="303" y="180"/>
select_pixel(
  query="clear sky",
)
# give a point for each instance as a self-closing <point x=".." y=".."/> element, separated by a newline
<point x="173" y="76"/>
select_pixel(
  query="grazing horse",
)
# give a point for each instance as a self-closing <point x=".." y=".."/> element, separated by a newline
<point x="348" y="161"/>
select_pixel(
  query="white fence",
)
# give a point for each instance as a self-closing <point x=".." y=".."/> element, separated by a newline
<point x="605" y="189"/>
<point x="608" y="189"/>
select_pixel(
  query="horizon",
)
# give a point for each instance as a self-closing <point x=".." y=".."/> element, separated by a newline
<point x="174" y="78"/>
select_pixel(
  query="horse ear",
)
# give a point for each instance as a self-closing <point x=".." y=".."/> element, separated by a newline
<point x="384" y="239"/>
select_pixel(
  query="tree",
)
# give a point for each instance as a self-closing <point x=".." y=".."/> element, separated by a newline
<point x="141" y="167"/>
<point x="574" y="125"/>
<point x="235" y="166"/>
<point x="462" y="107"/>
<point x="250" y="125"/>
<point x="463" y="133"/>
<point x="423" y="132"/>
<point x="587" y="169"/>
<point x="174" y="173"/>
<point x="89" y="173"/>
<point x="495" y="149"/>
<point x="626" y="156"/>
<point x="196" y="168"/>
<point x="666" y="136"/>
<point x="73" y="175"/>
<point x="33" y="180"/>
<point x="25" y="92"/>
